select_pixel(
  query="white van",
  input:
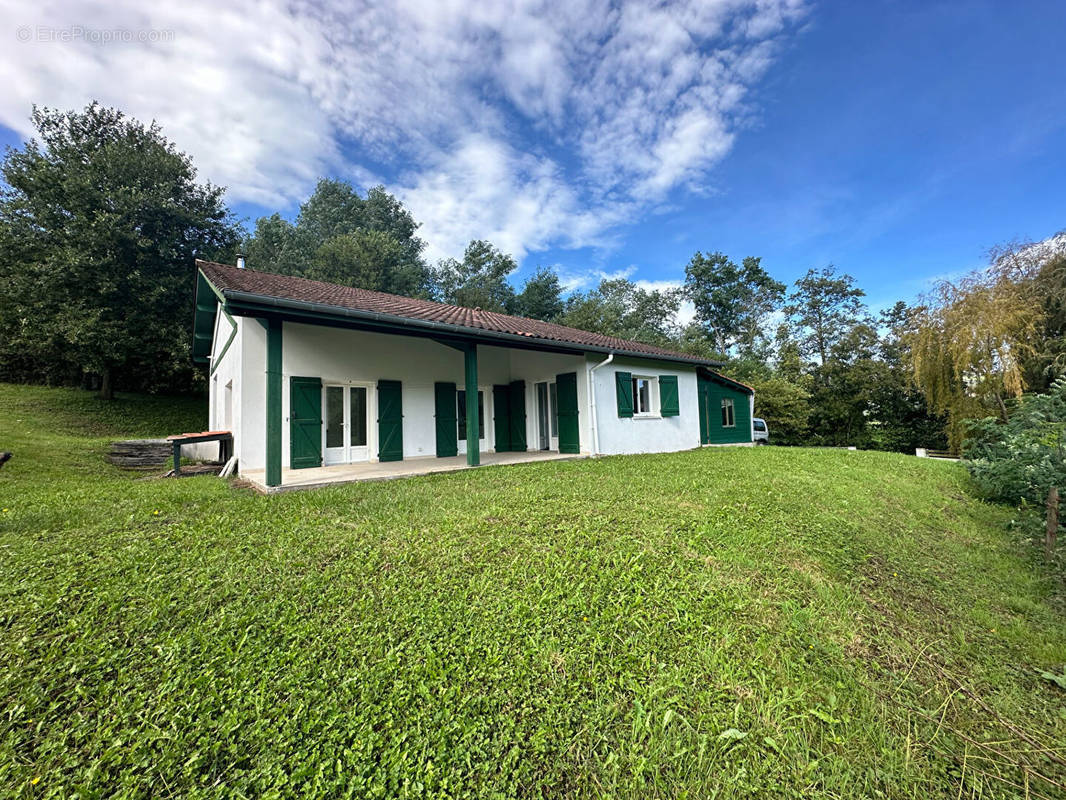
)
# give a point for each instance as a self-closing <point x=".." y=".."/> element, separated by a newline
<point x="761" y="432"/>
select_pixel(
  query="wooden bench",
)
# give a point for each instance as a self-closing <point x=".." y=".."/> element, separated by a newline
<point x="224" y="439"/>
<point x="923" y="452"/>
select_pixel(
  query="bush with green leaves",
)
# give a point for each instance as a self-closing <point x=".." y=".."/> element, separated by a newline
<point x="1020" y="460"/>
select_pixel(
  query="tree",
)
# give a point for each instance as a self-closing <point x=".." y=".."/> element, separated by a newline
<point x="732" y="302"/>
<point x="541" y="296"/>
<point x="365" y="259"/>
<point x="480" y="279"/>
<point x="1048" y="359"/>
<point x="620" y="308"/>
<point x="973" y="338"/>
<point x="272" y="247"/>
<point x="1023" y="460"/>
<point x="823" y="309"/>
<point x="343" y="237"/>
<point x="785" y="406"/>
<point x="101" y="218"/>
<point x="897" y="413"/>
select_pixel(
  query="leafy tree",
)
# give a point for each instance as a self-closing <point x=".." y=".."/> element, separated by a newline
<point x="620" y="308"/>
<point x="541" y="296"/>
<point x="732" y="302"/>
<point x="101" y="218"/>
<point x="839" y="388"/>
<point x="824" y="308"/>
<point x="343" y="237"/>
<point x="785" y="406"/>
<point x="480" y="279"/>
<point x="272" y="247"/>
<point x="1023" y="459"/>
<point x="694" y="341"/>
<point x="973" y="338"/>
<point x="1048" y="358"/>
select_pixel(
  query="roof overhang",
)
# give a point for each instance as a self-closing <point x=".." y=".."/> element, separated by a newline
<point x="203" y="328"/>
<point x="717" y="377"/>
<point x="247" y="304"/>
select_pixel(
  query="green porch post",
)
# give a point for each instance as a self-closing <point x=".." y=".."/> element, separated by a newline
<point x="473" y="443"/>
<point x="273" y="403"/>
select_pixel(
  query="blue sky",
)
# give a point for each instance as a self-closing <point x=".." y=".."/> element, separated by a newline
<point x="898" y="140"/>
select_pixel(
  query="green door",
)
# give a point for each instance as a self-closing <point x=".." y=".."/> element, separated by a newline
<point x="703" y="388"/>
<point x="390" y="421"/>
<point x="501" y="410"/>
<point x="305" y="422"/>
<point x="447" y="435"/>
<point x="518" y="417"/>
<point x="569" y="436"/>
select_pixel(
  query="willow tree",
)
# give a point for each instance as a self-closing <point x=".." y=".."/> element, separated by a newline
<point x="973" y="338"/>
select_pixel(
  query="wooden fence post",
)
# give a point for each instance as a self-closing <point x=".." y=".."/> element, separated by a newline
<point x="1052" y="522"/>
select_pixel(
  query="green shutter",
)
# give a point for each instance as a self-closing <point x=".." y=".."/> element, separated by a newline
<point x="669" y="405"/>
<point x="447" y="438"/>
<point x="623" y="386"/>
<point x="390" y="421"/>
<point x="305" y="423"/>
<point x="518" y="417"/>
<point x="569" y="432"/>
<point x="501" y="408"/>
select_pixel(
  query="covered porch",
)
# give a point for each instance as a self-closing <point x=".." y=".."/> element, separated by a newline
<point x="315" y="477"/>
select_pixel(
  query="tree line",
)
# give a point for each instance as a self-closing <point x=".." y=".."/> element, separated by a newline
<point x="101" y="218"/>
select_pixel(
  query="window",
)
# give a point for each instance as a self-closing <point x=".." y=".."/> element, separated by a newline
<point x="645" y="396"/>
<point x="334" y="416"/>
<point x="759" y="425"/>
<point x="358" y="412"/>
<point x="460" y="402"/>
<point x="728" y="420"/>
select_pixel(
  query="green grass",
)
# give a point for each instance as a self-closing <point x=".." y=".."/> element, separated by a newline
<point x="721" y="623"/>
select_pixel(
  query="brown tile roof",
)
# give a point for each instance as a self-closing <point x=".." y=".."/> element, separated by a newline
<point x="227" y="278"/>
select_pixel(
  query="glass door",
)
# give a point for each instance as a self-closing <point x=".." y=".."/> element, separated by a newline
<point x="333" y="414"/>
<point x="543" y="415"/>
<point x="345" y="414"/>
<point x="358" y="444"/>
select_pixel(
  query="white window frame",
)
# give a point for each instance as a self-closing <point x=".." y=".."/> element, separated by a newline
<point x="653" y="398"/>
<point x="727" y="402"/>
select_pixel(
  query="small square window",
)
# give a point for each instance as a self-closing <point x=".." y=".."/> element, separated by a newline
<point x="728" y="419"/>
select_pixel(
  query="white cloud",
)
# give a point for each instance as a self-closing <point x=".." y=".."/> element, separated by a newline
<point x="533" y="123"/>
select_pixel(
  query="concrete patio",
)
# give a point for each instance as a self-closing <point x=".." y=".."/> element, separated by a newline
<point x="315" y="477"/>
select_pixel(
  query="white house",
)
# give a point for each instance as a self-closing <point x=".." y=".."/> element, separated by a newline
<point x="313" y="376"/>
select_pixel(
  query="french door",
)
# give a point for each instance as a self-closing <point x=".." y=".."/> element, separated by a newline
<point x="345" y="416"/>
<point x="547" y="415"/>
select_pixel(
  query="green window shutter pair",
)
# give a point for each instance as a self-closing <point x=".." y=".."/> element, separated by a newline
<point x="669" y="405"/>
<point x="623" y="384"/>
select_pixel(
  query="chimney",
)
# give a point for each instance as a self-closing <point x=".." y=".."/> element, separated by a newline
<point x="240" y="260"/>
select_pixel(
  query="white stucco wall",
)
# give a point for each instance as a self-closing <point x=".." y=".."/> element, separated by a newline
<point x="340" y="356"/>
<point x="619" y="435"/>
<point x="352" y="357"/>
<point x="225" y="369"/>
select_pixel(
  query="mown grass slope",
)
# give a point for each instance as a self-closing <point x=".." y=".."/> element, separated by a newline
<point x="717" y="623"/>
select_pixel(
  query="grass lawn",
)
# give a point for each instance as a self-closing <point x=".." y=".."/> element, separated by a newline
<point x="720" y="623"/>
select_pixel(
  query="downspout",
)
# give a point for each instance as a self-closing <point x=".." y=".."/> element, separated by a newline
<point x="592" y="403"/>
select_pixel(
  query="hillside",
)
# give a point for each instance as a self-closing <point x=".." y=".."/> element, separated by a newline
<point x="724" y="622"/>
